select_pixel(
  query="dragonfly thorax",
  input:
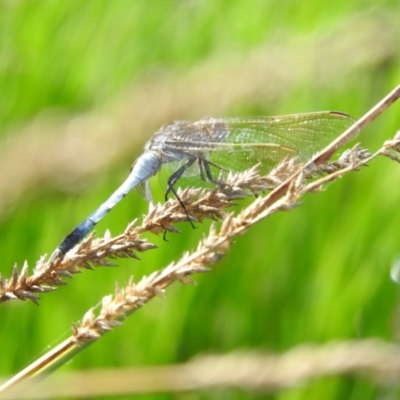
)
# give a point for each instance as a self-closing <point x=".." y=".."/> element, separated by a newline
<point x="181" y="140"/>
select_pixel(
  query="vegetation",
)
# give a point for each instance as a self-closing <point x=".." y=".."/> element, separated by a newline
<point x="84" y="85"/>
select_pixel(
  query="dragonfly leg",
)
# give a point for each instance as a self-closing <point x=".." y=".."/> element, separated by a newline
<point x="205" y="164"/>
<point x="200" y="162"/>
<point x="172" y="181"/>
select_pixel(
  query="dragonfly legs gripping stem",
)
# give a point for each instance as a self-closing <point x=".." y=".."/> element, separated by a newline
<point x="172" y="181"/>
<point x="205" y="175"/>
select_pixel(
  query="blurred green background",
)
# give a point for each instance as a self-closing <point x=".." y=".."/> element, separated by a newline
<point x="84" y="84"/>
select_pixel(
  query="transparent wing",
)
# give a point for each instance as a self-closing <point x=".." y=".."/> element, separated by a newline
<point x="235" y="144"/>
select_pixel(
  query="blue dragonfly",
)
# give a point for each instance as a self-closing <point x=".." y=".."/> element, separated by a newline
<point x="203" y="149"/>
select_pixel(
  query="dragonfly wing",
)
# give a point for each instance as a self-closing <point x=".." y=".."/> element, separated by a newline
<point x="305" y="133"/>
<point x="232" y="157"/>
<point x="236" y="144"/>
<point x="225" y="158"/>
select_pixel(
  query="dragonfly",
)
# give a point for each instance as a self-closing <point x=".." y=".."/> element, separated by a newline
<point x="202" y="149"/>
